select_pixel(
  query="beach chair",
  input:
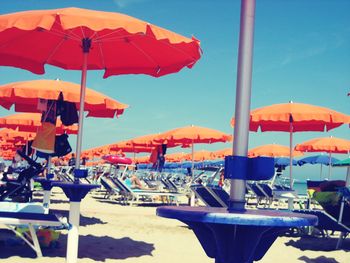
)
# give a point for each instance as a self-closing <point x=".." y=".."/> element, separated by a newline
<point x="212" y="196"/>
<point x="31" y="216"/>
<point x="326" y="223"/>
<point x="111" y="188"/>
<point x="262" y="197"/>
<point x="134" y="196"/>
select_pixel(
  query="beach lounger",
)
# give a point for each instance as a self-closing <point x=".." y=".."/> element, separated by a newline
<point x="30" y="216"/>
<point x="327" y="222"/>
<point x="110" y="187"/>
<point x="133" y="196"/>
<point x="212" y="196"/>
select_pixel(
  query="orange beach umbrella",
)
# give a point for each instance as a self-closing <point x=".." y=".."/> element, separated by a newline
<point x="190" y="135"/>
<point x="24" y="96"/>
<point x="222" y="153"/>
<point x="272" y="150"/>
<point x="295" y="117"/>
<point x="30" y="122"/>
<point x="200" y="156"/>
<point x="117" y="43"/>
<point x="80" y="39"/>
<point x="327" y="144"/>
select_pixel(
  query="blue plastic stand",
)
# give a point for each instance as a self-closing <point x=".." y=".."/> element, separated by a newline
<point x="75" y="192"/>
<point x="236" y="237"/>
<point x="46" y="184"/>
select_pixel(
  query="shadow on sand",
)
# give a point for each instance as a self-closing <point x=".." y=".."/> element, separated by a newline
<point x="92" y="247"/>
<point x="318" y="244"/>
<point x="321" y="259"/>
<point x="84" y="220"/>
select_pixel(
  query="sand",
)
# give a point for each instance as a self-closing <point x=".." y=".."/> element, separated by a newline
<point x="111" y="232"/>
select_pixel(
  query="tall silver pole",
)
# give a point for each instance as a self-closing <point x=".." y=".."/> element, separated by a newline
<point x="81" y="110"/>
<point x="243" y="94"/>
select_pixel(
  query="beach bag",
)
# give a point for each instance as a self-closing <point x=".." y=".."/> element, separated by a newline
<point x="45" y="138"/>
<point x="62" y="146"/>
<point x="68" y="111"/>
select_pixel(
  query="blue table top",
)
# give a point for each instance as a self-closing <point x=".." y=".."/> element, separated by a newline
<point x="254" y="217"/>
<point x="75" y="186"/>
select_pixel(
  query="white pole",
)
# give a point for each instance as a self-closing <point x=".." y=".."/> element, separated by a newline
<point x="73" y="234"/>
<point x="243" y="95"/>
<point x="321" y="172"/>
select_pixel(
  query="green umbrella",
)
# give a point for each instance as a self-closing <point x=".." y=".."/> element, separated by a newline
<point x="345" y="162"/>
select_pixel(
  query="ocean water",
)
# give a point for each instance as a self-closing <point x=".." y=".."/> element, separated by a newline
<point x="300" y="187"/>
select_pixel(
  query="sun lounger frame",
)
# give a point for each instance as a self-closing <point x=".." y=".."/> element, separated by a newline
<point x="13" y="219"/>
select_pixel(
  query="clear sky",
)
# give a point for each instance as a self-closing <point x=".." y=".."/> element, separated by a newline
<point x="301" y="53"/>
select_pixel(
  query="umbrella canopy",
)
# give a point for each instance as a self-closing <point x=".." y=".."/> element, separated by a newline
<point x="200" y="156"/>
<point x="222" y="153"/>
<point x="192" y="134"/>
<point x="272" y="150"/>
<point x="175" y="157"/>
<point x="24" y="96"/>
<point x="30" y="122"/>
<point x="318" y="159"/>
<point x="15" y="136"/>
<point x="303" y="117"/>
<point x="345" y="162"/>
<point x="283" y="161"/>
<point x="295" y="117"/>
<point x="116" y="43"/>
<point x="124" y="146"/>
<point x="326" y="144"/>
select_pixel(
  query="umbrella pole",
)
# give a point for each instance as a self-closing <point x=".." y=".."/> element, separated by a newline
<point x="290" y="155"/>
<point x="321" y="172"/>
<point x="330" y="166"/>
<point x="74" y="209"/>
<point x="81" y="110"/>
<point x="243" y="94"/>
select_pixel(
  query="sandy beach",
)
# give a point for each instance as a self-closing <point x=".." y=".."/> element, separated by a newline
<point x="111" y="232"/>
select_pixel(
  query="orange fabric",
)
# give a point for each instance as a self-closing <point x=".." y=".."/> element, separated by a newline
<point x="142" y="159"/>
<point x="305" y="118"/>
<point x="29" y="122"/>
<point x="45" y="138"/>
<point x="200" y="156"/>
<point x="15" y="136"/>
<point x="192" y="134"/>
<point x="25" y="94"/>
<point x="328" y="144"/>
<point x="272" y="150"/>
<point x="161" y="51"/>
<point x="223" y="153"/>
<point x="175" y="157"/>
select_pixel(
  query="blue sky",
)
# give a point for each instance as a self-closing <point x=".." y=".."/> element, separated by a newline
<point x="301" y="53"/>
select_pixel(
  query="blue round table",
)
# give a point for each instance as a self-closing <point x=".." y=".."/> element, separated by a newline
<point x="236" y="237"/>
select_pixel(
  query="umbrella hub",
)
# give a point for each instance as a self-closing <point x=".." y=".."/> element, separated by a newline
<point x="86" y="44"/>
